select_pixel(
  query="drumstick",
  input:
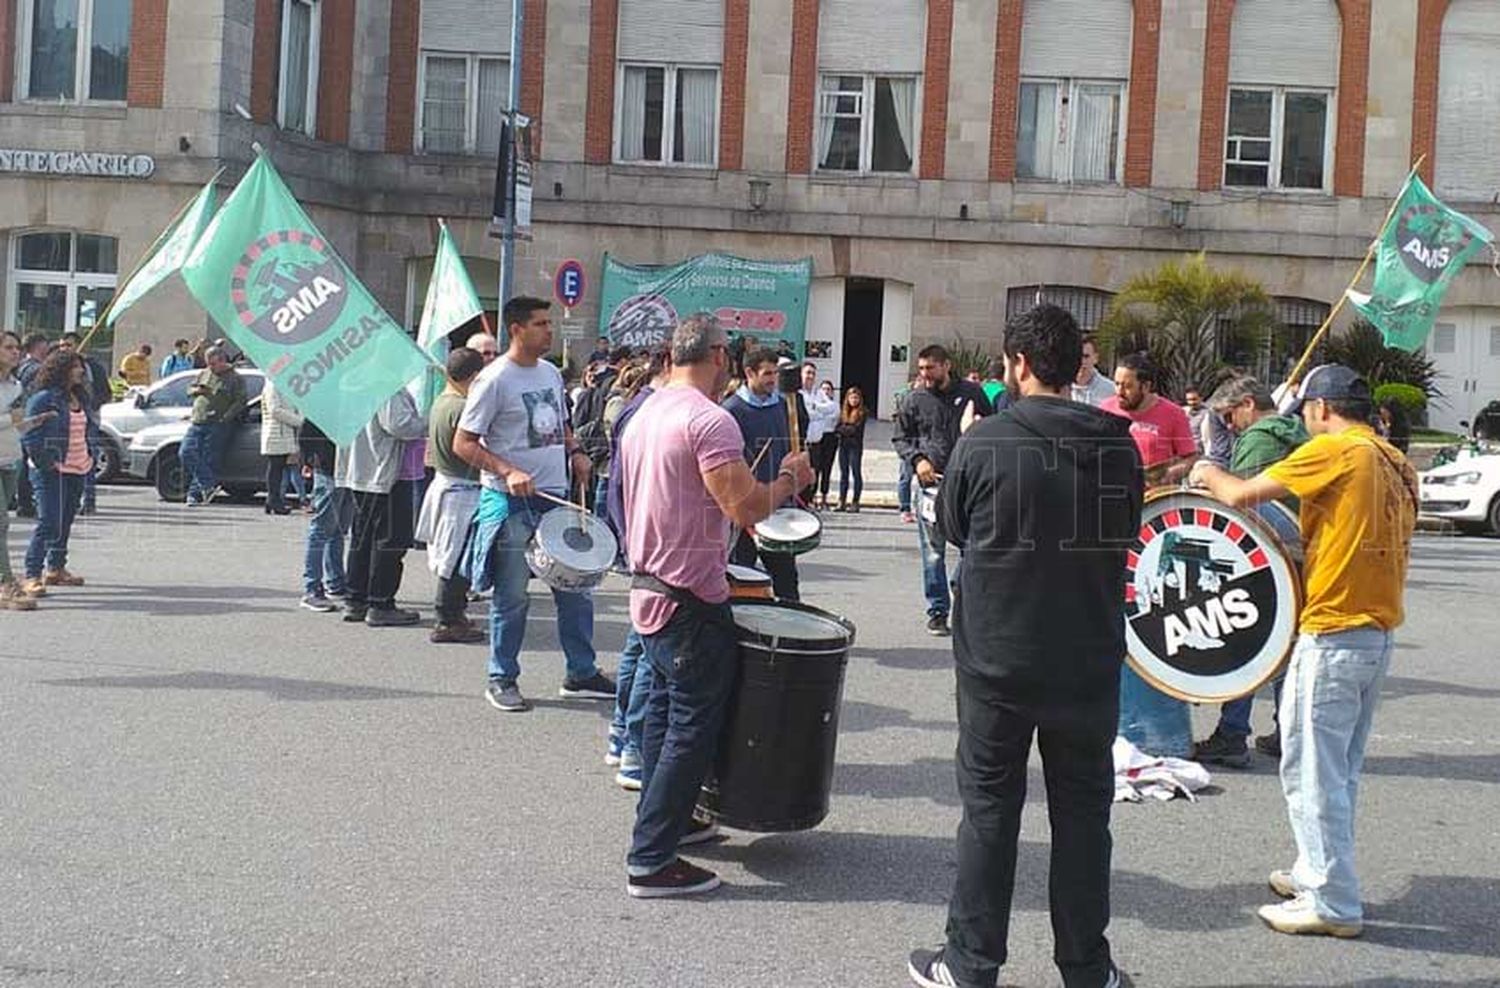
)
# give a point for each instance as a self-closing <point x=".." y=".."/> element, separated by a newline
<point x="561" y="502"/>
<point x="760" y="456"/>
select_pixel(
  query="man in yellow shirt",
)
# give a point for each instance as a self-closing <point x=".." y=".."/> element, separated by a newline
<point x="135" y="368"/>
<point x="1359" y="507"/>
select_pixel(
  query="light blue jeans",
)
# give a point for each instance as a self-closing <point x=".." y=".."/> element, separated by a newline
<point x="508" y="608"/>
<point x="333" y="513"/>
<point x="934" y="560"/>
<point x="1327" y="706"/>
<point x="633" y="690"/>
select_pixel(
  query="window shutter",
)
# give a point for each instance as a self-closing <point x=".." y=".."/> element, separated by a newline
<point x="1076" y="39"/>
<point x="1285" y="43"/>
<point x="1468" y="125"/>
<point x="689" y="32"/>
<point x="466" y="25"/>
<point x="878" y="36"/>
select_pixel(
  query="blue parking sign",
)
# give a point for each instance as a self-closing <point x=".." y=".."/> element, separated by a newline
<point x="568" y="285"/>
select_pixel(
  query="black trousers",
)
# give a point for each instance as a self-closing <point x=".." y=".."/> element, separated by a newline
<point x="275" y="481"/>
<point x="781" y="567"/>
<point x="824" y="451"/>
<point x="380" y="537"/>
<point x="994" y="743"/>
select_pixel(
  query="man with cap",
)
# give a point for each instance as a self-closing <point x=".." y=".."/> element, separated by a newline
<point x="1359" y="507"/>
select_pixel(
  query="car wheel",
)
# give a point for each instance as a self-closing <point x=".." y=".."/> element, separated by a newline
<point x="1495" y="515"/>
<point x="107" y="464"/>
<point x="171" y="479"/>
<point x="240" y="495"/>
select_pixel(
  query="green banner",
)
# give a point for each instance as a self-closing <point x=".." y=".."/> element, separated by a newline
<point x="451" y="302"/>
<point x="766" y="300"/>
<point x="1423" y="248"/>
<point x="277" y="288"/>
<point x="167" y="254"/>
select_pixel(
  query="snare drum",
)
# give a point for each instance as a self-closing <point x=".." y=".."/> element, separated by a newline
<point x="571" y="551"/>
<point x="749" y="583"/>
<point x="789" y="531"/>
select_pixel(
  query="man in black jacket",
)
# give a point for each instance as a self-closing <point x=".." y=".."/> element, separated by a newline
<point x="1044" y="500"/>
<point x="927" y="428"/>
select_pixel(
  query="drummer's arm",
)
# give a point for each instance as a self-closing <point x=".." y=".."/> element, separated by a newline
<point x="467" y="447"/>
<point x="1235" y="491"/>
<point x="742" y="498"/>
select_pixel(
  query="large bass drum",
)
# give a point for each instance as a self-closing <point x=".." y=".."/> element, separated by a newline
<point x="1212" y="599"/>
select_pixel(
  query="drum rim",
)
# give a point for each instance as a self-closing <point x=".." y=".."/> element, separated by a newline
<point x="776" y="642"/>
<point x="594" y="526"/>
<point x="817" y="532"/>
<point x="1262" y="528"/>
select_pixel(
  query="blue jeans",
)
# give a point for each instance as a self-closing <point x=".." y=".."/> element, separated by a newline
<point x="633" y="679"/>
<point x="508" y="608"/>
<point x="57" y="499"/>
<point x="200" y="452"/>
<point x="694" y="660"/>
<point x="1332" y="687"/>
<point x="903" y="487"/>
<point x="1234" y="716"/>
<point x="333" y="512"/>
<point x="934" y="562"/>
<point x="601" y="497"/>
<point x="851" y="459"/>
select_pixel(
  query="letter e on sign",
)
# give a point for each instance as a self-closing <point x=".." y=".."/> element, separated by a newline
<point x="568" y="285"/>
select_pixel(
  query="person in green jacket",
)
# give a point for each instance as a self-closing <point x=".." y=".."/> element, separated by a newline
<point x="1261" y="438"/>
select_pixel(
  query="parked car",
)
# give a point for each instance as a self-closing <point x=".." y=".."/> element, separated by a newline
<point x="1465" y="491"/>
<point x="154" y="456"/>
<point x="164" y="402"/>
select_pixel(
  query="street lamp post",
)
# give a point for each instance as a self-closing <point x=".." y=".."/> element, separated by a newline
<point x="508" y="134"/>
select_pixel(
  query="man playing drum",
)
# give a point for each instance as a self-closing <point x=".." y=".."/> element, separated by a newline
<point x="685" y="479"/>
<point x="1359" y="507"/>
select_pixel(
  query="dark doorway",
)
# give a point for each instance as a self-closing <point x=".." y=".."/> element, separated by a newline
<point x="864" y="300"/>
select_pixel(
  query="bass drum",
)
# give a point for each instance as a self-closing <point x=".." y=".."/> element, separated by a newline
<point x="1287" y="526"/>
<point x="1212" y="598"/>
<point x="774" y="769"/>
<point x="749" y="583"/>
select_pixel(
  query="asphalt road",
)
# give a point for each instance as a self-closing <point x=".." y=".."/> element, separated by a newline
<point x="200" y="783"/>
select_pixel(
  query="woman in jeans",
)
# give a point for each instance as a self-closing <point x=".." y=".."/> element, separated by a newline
<point x="851" y="440"/>
<point x="12" y="425"/>
<point x="825" y="449"/>
<point x="61" y="448"/>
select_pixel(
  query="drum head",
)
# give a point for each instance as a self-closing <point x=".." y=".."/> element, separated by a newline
<point x="748" y="575"/>
<point x="778" y="623"/>
<point x="1211" y="599"/>
<point x="576" y="540"/>
<point x="789" y="525"/>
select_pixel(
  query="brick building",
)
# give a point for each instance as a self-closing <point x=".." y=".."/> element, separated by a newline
<point x="942" y="161"/>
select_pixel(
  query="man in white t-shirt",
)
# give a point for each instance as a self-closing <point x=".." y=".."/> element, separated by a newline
<point x="514" y="428"/>
<point x="1091" y="387"/>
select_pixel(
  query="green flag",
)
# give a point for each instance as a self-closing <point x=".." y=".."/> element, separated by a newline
<point x="1423" y="248"/>
<point x="281" y="293"/>
<point x="451" y="302"/>
<point x="167" y="254"/>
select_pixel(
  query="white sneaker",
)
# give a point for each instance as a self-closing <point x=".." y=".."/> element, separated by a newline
<point x="1298" y="917"/>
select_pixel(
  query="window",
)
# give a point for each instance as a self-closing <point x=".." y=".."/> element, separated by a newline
<point x="1087" y="305"/>
<point x="297" y="101"/>
<point x="1444" y="338"/>
<point x="650" y="134"/>
<point x="463" y="103"/>
<point x="866" y="123"/>
<point x="74" y="50"/>
<point x="1069" y="131"/>
<point x="1277" y="139"/>
<point x="60" y="282"/>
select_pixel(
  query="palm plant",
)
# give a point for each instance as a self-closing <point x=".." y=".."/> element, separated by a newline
<point x="1362" y="348"/>
<point x="1186" y="314"/>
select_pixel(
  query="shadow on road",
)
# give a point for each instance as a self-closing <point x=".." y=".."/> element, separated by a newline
<point x="276" y="687"/>
<point x="1453" y="768"/>
<point x="1397" y="687"/>
<point x="856" y="715"/>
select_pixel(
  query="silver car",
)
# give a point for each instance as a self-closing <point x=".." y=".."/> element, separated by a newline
<point x="164" y="402"/>
<point x="155" y="455"/>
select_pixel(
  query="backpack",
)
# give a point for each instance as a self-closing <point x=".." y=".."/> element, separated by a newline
<point x="588" y="421"/>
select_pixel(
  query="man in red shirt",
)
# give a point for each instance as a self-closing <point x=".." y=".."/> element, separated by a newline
<point x="1160" y="427"/>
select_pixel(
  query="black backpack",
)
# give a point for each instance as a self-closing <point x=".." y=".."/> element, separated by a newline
<point x="588" y="421"/>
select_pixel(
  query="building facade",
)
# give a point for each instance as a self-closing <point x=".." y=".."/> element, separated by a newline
<point x="943" y="162"/>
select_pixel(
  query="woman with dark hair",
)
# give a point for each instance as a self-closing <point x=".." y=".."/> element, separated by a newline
<point x="62" y="449"/>
<point x="1393" y="424"/>
<point x="851" y="440"/>
<point x="12" y="426"/>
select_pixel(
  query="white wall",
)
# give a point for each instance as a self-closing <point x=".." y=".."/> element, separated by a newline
<point x="895" y="330"/>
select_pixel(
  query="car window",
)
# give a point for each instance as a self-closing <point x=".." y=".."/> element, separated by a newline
<point x="253" y="384"/>
<point x="173" y="394"/>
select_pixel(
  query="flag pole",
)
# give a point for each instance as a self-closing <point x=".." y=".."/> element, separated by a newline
<point x="1338" y="306"/>
<point x="141" y="262"/>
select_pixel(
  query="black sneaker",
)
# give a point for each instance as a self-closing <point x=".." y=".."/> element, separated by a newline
<point x="928" y="969"/>
<point x="1269" y="744"/>
<point x="391" y="617"/>
<point x="698" y="832"/>
<point x="1228" y="750"/>
<point x="596" y="687"/>
<point x="937" y="626"/>
<point x="355" y="613"/>
<point x="318" y="602"/>
<point x="677" y="878"/>
<point x="505" y="695"/>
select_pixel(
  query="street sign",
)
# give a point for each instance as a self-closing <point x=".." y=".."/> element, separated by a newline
<point x="568" y="285"/>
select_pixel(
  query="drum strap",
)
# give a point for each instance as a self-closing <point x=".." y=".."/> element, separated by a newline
<point x="645" y="581"/>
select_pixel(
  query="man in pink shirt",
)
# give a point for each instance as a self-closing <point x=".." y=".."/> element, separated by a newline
<point x="685" y="480"/>
<point x="1160" y="427"/>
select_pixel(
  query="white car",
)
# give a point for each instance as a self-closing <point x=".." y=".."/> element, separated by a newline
<point x="163" y="402"/>
<point x="1465" y="492"/>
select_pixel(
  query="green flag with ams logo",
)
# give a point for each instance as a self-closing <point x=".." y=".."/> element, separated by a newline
<point x="1421" y="251"/>
<point x="277" y="288"/>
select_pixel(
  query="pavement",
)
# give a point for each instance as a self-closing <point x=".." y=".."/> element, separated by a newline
<point x="202" y="784"/>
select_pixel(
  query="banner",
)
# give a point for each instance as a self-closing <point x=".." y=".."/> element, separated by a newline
<point x="279" y="291"/>
<point x="451" y="302"/>
<point x="167" y="254"/>
<point x="641" y="305"/>
<point x="1423" y="248"/>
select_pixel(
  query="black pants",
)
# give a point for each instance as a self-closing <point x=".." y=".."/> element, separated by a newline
<point x="781" y="567"/>
<point x="1075" y="738"/>
<point x="823" y="453"/>
<point x="380" y="537"/>
<point x="275" y="482"/>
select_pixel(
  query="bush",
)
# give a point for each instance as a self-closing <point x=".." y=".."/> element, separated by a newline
<point x="1363" y="349"/>
<point x="1408" y="396"/>
<point x="968" y="357"/>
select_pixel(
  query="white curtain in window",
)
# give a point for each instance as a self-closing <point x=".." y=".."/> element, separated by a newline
<point x="445" y="105"/>
<point x="1036" y="130"/>
<point x="1095" y="114"/>
<point x="494" y="87"/>
<point x="825" y="134"/>
<point x="904" y="97"/>
<point x="298" y="48"/>
<point x="633" y="115"/>
<point x="697" y="95"/>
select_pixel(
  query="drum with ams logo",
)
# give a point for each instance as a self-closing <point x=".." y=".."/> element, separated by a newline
<point x="1212" y="599"/>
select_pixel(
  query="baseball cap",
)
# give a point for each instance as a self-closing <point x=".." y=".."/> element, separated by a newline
<point x="1329" y="381"/>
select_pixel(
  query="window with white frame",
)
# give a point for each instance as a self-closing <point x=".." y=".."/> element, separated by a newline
<point x="867" y="123"/>
<point x="297" y="101"/>
<point x="668" y="114"/>
<point x="74" y="50"/>
<point x="463" y="102"/>
<point x="1068" y="130"/>
<point x="60" y="282"/>
<point x="1277" y="138"/>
